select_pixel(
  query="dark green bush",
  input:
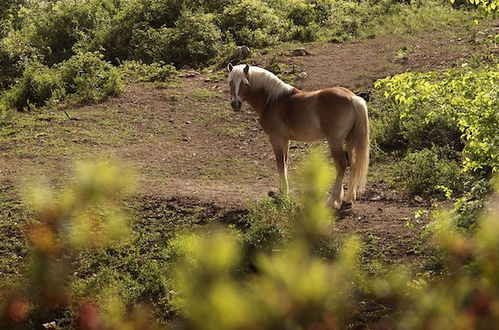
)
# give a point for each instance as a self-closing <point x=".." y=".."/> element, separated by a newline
<point x="152" y="45"/>
<point x="11" y="65"/>
<point x="269" y="223"/>
<point x="54" y="28"/>
<point x="253" y="23"/>
<point x="85" y="75"/>
<point x="431" y="171"/>
<point x="307" y="17"/>
<point x="470" y="206"/>
<point x="123" y="37"/>
<point x="90" y="77"/>
<point x="37" y="86"/>
<point x="138" y="71"/>
<point x="195" y="40"/>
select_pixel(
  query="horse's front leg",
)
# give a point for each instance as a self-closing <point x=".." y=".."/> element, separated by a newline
<point x="281" y="147"/>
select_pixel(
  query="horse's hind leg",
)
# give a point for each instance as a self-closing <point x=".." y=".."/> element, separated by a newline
<point x="351" y="193"/>
<point x="281" y="147"/>
<point x="340" y="162"/>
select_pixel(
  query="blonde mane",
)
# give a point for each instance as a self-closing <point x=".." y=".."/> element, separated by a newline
<point x="259" y="78"/>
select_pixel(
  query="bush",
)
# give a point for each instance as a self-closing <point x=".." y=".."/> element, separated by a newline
<point x="90" y="77"/>
<point x="269" y="224"/>
<point x="455" y="108"/>
<point x="195" y="40"/>
<point x="37" y="86"/>
<point x="84" y="75"/>
<point x="432" y="172"/>
<point x="470" y="206"/>
<point x="132" y="31"/>
<point x="450" y="113"/>
<point x="290" y="287"/>
<point x="148" y="73"/>
<point x="306" y="18"/>
<point x="252" y="23"/>
<point x="54" y="28"/>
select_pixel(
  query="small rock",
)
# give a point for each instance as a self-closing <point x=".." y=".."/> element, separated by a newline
<point x="185" y="139"/>
<point x="376" y="198"/>
<point x="187" y="122"/>
<point x="241" y="52"/>
<point x="170" y="120"/>
<point x="418" y="199"/>
<point x="380" y="209"/>
<point x="302" y="75"/>
<point x="300" y="52"/>
<point x="50" y="325"/>
<point x="189" y="74"/>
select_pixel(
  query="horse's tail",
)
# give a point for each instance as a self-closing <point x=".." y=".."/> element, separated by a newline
<point x="359" y="149"/>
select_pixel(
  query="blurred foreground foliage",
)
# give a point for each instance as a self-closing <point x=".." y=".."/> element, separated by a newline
<point x="290" y="285"/>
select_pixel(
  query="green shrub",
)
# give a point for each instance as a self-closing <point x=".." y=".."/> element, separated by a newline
<point x="431" y="171"/>
<point x="131" y="32"/>
<point x="349" y="18"/>
<point x="269" y="224"/>
<point x="253" y="23"/>
<point x="11" y="66"/>
<point x="90" y="77"/>
<point x="151" y="45"/>
<point x="306" y="18"/>
<point x="37" y="86"/>
<point x="84" y="75"/>
<point x="15" y="53"/>
<point x="195" y="40"/>
<point x="54" y="28"/>
<point x="470" y="206"/>
<point x="454" y="109"/>
<point x="452" y="113"/>
<point x="138" y="71"/>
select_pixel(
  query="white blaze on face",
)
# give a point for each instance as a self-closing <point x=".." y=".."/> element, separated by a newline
<point x="237" y="85"/>
<point x="236" y="77"/>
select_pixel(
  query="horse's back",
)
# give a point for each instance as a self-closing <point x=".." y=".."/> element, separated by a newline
<point x="335" y="96"/>
<point x="308" y="116"/>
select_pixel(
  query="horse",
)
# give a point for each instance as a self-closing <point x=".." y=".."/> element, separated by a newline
<point x="287" y="113"/>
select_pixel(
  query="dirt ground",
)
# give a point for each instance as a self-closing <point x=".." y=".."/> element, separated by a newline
<point x="187" y="144"/>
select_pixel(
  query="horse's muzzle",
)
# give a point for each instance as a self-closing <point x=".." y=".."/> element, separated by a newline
<point x="236" y="105"/>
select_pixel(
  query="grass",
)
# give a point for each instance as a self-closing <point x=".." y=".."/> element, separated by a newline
<point x="202" y="94"/>
<point x="13" y="249"/>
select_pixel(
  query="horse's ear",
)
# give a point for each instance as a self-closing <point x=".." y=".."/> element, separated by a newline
<point x="230" y="67"/>
<point x="246" y="69"/>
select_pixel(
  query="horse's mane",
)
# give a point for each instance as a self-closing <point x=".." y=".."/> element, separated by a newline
<point x="259" y="78"/>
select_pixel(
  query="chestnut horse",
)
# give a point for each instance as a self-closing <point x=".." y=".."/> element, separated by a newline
<point x="287" y="113"/>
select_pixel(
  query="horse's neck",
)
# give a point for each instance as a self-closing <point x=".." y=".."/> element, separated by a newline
<point x="258" y="99"/>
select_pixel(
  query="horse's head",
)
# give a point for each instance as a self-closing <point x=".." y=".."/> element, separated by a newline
<point x="239" y="84"/>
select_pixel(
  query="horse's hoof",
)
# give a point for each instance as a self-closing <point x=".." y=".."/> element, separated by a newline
<point x="345" y="206"/>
